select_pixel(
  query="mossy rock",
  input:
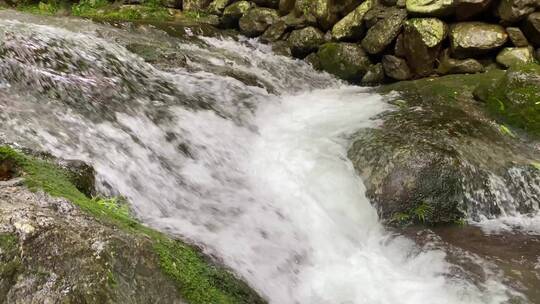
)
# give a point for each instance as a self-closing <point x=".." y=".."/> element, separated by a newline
<point x="218" y="6"/>
<point x="396" y="68"/>
<point x="449" y="65"/>
<point x="257" y="20"/>
<point x="516" y="98"/>
<point x="422" y="39"/>
<point x="117" y="259"/>
<point x="384" y="31"/>
<point x="431" y="7"/>
<point x="351" y="27"/>
<point x="233" y="13"/>
<point x="469" y="39"/>
<point x="195" y="5"/>
<point x="305" y="41"/>
<point x="514" y="56"/>
<point x="347" y="61"/>
<point x="317" y="12"/>
<point x="517" y="37"/>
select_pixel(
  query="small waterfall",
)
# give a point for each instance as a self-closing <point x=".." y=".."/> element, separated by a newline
<point x="229" y="146"/>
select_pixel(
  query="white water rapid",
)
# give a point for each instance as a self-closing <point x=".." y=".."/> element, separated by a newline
<point x="253" y="168"/>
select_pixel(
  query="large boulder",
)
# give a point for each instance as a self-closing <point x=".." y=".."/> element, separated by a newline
<point x="431" y="7"/>
<point x="347" y="61"/>
<point x="305" y="41"/>
<point x="422" y="39"/>
<point x="468" y="39"/>
<point x="257" y="20"/>
<point x="321" y="12"/>
<point x="351" y="27"/>
<point x="396" y="68"/>
<point x="531" y="28"/>
<point x="375" y="14"/>
<point x="467" y="9"/>
<point x="374" y="75"/>
<point x="436" y="157"/>
<point x="235" y="11"/>
<point x="517" y="37"/>
<point x="449" y="65"/>
<point x="195" y="5"/>
<point x="382" y="34"/>
<point x="513" y="56"/>
<point x="515" y="10"/>
<point x="515" y="97"/>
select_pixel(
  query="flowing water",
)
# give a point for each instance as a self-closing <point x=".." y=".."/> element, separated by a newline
<point x="230" y="147"/>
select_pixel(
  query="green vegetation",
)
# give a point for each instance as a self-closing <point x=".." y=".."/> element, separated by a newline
<point x="198" y="279"/>
<point x="419" y="214"/>
<point x="9" y="259"/>
<point x="151" y="10"/>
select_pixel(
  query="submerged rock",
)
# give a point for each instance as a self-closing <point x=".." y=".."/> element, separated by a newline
<point x="513" y="56"/>
<point x="351" y="27"/>
<point x="384" y="31"/>
<point x="469" y="39"/>
<point x="257" y="20"/>
<point x="347" y="61"/>
<point x="305" y="41"/>
<point x="396" y="68"/>
<point x="422" y="38"/>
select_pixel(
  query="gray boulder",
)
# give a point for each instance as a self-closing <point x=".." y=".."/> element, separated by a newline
<point x="374" y="75"/>
<point x="515" y="10"/>
<point x="430" y="7"/>
<point x="195" y="5"/>
<point x="422" y="39"/>
<point x="274" y="32"/>
<point x="517" y="37"/>
<point x="233" y="13"/>
<point x="514" y="56"/>
<point x="351" y="27"/>
<point x="449" y="65"/>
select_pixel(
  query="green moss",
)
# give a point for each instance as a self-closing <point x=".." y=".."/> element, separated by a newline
<point x="198" y="279"/>
<point x="47" y="8"/>
<point x="151" y="10"/>
<point x="515" y="98"/>
<point x="9" y="260"/>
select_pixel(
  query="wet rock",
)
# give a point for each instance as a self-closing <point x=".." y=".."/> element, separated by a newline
<point x="422" y="38"/>
<point x="467" y="9"/>
<point x="195" y="5"/>
<point x="374" y="75"/>
<point x="274" y="32"/>
<point x="513" y="56"/>
<point x="431" y="7"/>
<point x="468" y="39"/>
<point x="351" y="27"/>
<point x="314" y="61"/>
<point x="282" y="48"/>
<point x="384" y="31"/>
<point x="537" y="54"/>
<point x="286" y="6"/>
<point x="432" y="156"/>
<point x="531" y="28"/>
<point x="320" y="12"/>
<point x="449" y="65"/>
<point x="514" y="99"/>
<point x="257" y="20"/>
<point x="233" y="13"/>
<point x="347" y="61"/>
<point x="396" y="68"/>
<point x="176" y="4"/>
<point x="517" y="37"/>
<point x="81" y="175"/>
<point x="217" y="6"/>
<point x="305" y="41"/>
<point x="515" y="10"/>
